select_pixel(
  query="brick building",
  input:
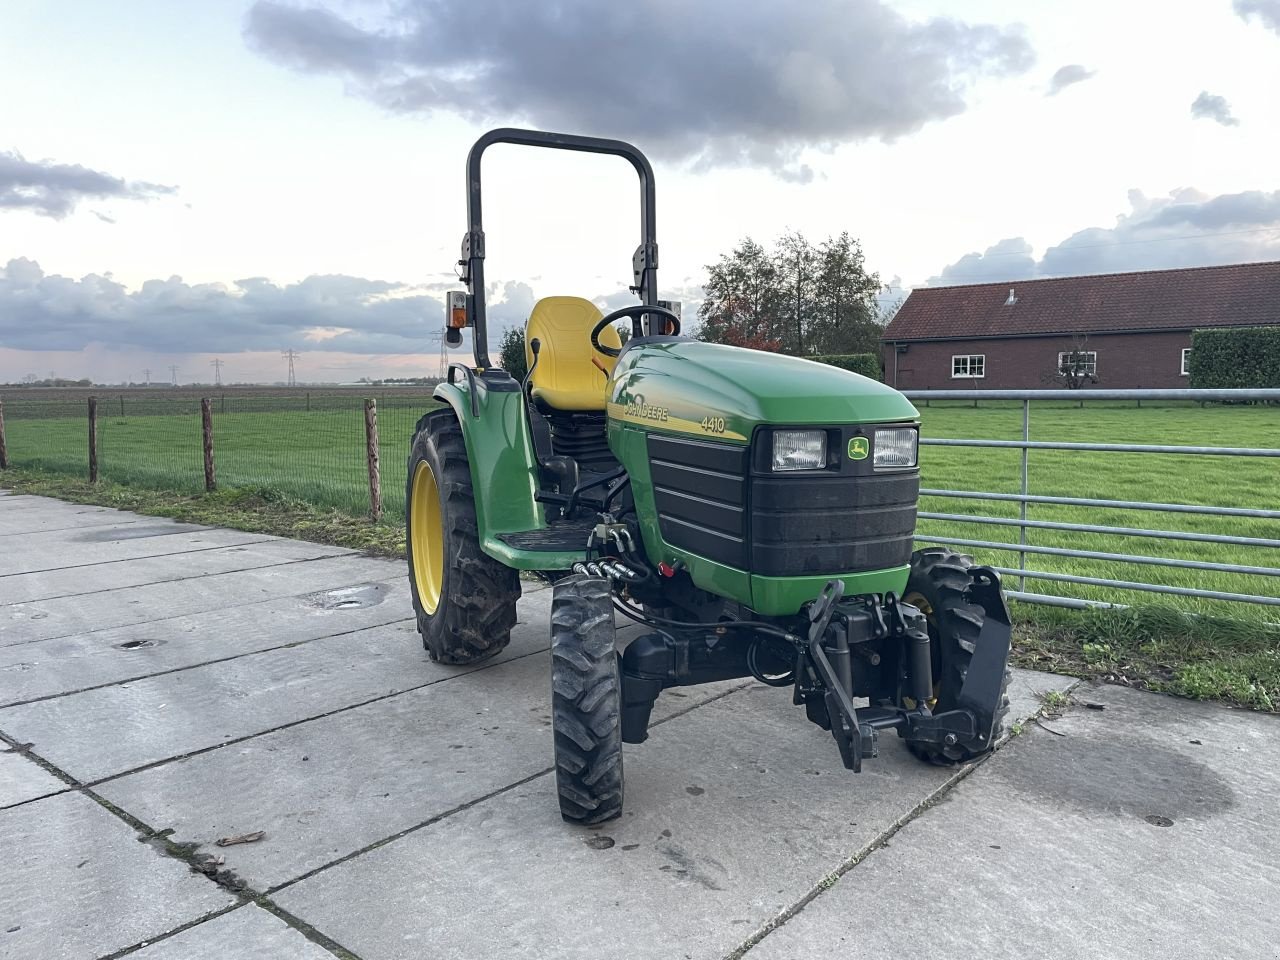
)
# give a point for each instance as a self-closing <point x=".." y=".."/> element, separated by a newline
<point x="1125" y="329"/>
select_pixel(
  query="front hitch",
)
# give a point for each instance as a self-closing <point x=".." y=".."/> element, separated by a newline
<point x="824" y="677"/>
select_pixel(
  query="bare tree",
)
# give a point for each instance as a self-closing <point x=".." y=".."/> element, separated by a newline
<point x="1075" y="367"/>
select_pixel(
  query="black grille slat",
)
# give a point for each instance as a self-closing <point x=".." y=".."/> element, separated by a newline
<point x="723" y="517"/>
<point x="704" y="484"/>
<point x="781" y="526"/>
<point x="700" y="493"/>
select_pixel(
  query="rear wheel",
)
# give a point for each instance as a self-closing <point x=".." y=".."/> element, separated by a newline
<point x="465" y="601"/>
<point x="586" y="700"/>
<point x="937" y="584"/>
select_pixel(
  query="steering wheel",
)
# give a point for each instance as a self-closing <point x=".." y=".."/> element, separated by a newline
<point x="634" y="312"/>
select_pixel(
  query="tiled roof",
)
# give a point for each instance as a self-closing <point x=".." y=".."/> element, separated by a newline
<point x="1243" y="294"/>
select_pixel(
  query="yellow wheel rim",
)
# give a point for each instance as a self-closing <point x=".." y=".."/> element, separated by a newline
<point x="426" y="536"/>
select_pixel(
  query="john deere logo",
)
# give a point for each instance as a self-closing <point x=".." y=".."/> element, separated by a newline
<point x="859" y="448"/>
<point x="636" y="407"/>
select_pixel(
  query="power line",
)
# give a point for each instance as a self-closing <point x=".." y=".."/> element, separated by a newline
<point x="217" y="372"/>
<point x="173" y="372"/>
<point x="291" y="355"/>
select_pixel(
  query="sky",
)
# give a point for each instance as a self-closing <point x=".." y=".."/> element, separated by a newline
<point x="235" y="178"/>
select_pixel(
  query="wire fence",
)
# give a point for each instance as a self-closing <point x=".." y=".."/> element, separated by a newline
<point x="309" y="445"/>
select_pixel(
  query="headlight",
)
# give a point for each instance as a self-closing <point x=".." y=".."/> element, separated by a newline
<point x="895" y="448"/>
<point x="799" y="449"/>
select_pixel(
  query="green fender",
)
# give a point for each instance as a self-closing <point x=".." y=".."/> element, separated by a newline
<point x="504" y="472"/>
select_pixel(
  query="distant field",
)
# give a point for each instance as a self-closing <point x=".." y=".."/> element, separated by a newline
<point x="264" y="439"/>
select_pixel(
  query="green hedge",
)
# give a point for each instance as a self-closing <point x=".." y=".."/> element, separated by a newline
<point x="867" y="364"/>
<point x="1235" y="357"/>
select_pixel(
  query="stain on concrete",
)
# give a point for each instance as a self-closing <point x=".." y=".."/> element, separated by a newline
<point x="683" y="865"/>
<point x="1128" y="778"/>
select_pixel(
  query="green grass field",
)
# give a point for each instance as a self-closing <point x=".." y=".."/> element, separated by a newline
<point x="318" y="456"/>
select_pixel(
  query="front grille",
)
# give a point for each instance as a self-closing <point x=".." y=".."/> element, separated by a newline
<point x="843" y="519"/>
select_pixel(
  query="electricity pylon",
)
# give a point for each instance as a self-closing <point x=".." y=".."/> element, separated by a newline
<point x="217" y="372"/>
<point x="291" y="355"/>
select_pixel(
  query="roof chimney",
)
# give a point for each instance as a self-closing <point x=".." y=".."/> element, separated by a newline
<point x="1012" y="299"/>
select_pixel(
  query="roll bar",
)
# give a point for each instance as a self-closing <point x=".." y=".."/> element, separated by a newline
<point x="644" y="262"/>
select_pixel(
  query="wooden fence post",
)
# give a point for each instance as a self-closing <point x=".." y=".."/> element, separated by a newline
<point x="371" y="452"/>
<point x="93" y="439"/>
<point x="4" y="451"/>
<point x="206" y="429"/>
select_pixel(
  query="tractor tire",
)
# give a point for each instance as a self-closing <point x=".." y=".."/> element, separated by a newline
<point x="586" y="700"/>
<point x="937" y="584"/>
<point x="464" y="600"/>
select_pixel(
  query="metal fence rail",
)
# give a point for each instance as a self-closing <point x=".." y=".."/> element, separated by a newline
<point x="1025" y="445"/>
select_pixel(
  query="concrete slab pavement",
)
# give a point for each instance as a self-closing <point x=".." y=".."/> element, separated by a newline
<point x="78" y="884"/>
<point x="81" y="581"/>
<point x="67" y="615"/>
<point x="330" y="787"/>
<point x="84" y="661"/>
<point x="1144" y="830"/>
<point x="247" y="933"/>
<point x="734" y="812"/>
<point x="147" y="537"/>
<point x="21" y="780"/>
<point x="408" y="808"/>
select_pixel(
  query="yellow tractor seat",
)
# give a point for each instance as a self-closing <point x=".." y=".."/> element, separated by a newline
<point x="571" y="374"/>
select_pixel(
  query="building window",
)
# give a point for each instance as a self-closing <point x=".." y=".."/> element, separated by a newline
<point x="971" y="366"/>
<point x="1083" y="363"/>
<point x="1186" y="361"/>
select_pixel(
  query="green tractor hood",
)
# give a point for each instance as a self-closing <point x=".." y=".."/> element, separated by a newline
<point x="723" y="392"/>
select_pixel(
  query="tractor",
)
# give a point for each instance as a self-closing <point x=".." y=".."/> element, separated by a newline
<point x="754" y="512"/>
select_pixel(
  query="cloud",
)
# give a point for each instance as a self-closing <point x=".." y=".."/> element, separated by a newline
<point x="1185" y="229"/>
<point x="54" y="189"/>
<point x="1064" y="77"/>
<point x="717" y="83"/>
<point x="1267" y="11"/>
<point x="1209" y="106"/>
<point x="332" y="313"/>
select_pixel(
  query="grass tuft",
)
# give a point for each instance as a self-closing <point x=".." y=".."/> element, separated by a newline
<point x="1156" y="648"/>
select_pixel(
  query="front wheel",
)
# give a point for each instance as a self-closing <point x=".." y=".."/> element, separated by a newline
<point x="586" y="700"/>
<point x="937" y="585"/>
<point x="464" y="600"/>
